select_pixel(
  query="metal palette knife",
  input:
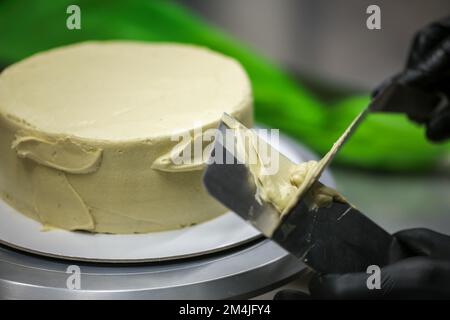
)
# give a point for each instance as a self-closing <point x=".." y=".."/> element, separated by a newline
<point x="332" y="239"/>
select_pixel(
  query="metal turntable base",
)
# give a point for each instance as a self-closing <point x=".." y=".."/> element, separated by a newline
<point x="244" y="272"/>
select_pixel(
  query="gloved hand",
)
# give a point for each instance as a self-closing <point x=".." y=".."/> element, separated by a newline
<point x="425" y="275"/>
<point x="428" y="69"/>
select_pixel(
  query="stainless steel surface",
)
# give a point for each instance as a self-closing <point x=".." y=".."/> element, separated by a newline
<point x="243" y="272"/>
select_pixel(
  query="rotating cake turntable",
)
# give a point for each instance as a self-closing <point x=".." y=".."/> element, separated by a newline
<point x="220" y="259"/>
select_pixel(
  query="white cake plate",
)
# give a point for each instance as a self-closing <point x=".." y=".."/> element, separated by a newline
<point x="221" y="233"/>
<point x="22" y="233"/>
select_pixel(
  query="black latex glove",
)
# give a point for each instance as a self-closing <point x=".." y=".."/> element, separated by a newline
<point x="425" y="275"/>
<point x="428" y="69"/>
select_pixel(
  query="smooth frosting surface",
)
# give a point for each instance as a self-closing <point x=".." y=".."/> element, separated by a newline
<point x="85" y="134"/>
<point x="123" y="90"/>
<point x="291" y="181"/>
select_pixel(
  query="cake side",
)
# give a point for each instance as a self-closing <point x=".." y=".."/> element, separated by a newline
<point x="100" y="185"/>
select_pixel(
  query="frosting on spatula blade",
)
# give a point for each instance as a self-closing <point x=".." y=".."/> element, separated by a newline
<point x="245" y="184"/>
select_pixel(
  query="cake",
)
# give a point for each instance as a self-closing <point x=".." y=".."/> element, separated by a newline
<point x="86" y="130"/>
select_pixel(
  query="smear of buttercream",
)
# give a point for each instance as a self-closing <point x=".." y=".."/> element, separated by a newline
<point x="62" y="154"/>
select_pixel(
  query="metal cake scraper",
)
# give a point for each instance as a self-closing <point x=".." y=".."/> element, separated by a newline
<point x="336" y="238"/>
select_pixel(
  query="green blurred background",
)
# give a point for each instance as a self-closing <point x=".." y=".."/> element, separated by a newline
<point x="312" y="64"/>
